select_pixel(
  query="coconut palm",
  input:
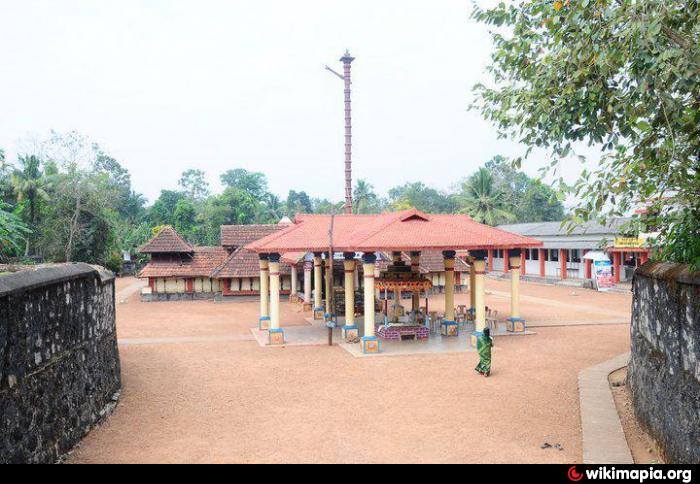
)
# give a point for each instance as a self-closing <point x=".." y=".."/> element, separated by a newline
<point x="364" y="198"/>
<point x="481" y="200"/>
<point x="28" y="183"/>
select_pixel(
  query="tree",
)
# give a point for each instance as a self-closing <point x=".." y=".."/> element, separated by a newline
<point x="13" y="233"/>
<point x="365" y="200"/>
<point x="619" y="75"/>
<point x="325" y="206"/>
<point x="184" y="218"/>
<point x="28" y="184"/>
<point x="162" y="212"/>
<point x="298" y="202"/>
<point x="482" y="201"/>
<point x="194" y="184"/>
<point x="255" y="184"/>
<point x="530" y="200"/>
<point x="418" y="195"/>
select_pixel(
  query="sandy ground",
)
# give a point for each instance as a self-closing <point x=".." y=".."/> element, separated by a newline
<point x="644" y="449"/>
<point x="230" y="400"/>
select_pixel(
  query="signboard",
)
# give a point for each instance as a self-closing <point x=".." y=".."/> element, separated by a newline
<point x="603" y="275"/>
<point x="628" y="242"/>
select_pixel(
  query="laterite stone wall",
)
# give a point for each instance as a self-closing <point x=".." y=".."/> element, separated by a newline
<point x="59" y="362"/>
<point x="664" y="371"/>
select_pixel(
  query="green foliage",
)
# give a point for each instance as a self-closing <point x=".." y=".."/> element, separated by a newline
<point x="483" y="201"/>
<point x="13" y="233"/>
<point x="619" y="75"/>
<point x="528" y="200"/>
<point x="194" y="184"/>
<point x="365" y="200"/>
<point x="418" y="195"/>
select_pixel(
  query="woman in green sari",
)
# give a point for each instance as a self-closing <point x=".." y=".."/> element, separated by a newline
<point x="483" y="345"/>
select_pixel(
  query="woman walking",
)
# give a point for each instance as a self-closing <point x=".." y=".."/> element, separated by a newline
<point x="483" y="345"/>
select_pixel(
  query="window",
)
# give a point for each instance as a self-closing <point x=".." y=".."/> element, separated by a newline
<point x="575" y="255"/>
<point x="535" y="254"/>
<point x="554" y="255"/>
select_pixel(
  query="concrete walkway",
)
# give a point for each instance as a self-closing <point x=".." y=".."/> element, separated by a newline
<point x="129" y="290"/>
<point x="603" y="438"/>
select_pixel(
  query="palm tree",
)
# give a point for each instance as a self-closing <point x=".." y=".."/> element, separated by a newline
<point x="365" y="199"/>
<point x="28" y="184"/>
<point x="482" y="201"/>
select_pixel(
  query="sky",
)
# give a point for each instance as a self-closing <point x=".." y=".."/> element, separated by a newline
<point x="168" y="85"/>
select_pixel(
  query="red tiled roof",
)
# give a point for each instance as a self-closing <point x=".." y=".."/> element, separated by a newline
<point x="240" y="235"/>
<point x="407" y="230"/>
<point x="166" y="241"/>
<point x="242" y="263"/>
<point x="200" y="264"/>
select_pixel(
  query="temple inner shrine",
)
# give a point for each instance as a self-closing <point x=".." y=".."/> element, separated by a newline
<point x="361" y="239"/>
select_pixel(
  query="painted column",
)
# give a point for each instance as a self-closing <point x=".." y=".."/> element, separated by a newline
<point x="617" y="256"/>
<point x="415" y="268"/>
<point x="293" y="293"/>
<point x="490" y="259"/>
<point x="506" y="260"/>
<point x="562" y="263"/>
<point x="472" y="286"/>
<point x="480" y="292"/>
<point x="370" y="343"/>
<point x="449" y="326"/>
<point x="523" y="262"/>
<point x="515" y="322"/>
<point x="588" y="272"/>
<point x="318" y="286"/>
<point x="308" y="269"/>
<point x="276" y="334"/>
<point x="350" y="330"/>
<point x="264" y="322"/>
<point x="540" y="256"/>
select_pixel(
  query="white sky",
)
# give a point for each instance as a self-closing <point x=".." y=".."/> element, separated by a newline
<point x="169" y="85"/>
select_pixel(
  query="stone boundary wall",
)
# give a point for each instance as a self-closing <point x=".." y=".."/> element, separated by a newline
<point x="664" y="371"/>
<point x="59" y="362"/>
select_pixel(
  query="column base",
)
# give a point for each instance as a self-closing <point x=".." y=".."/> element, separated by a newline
<point x="515" y="325"/>
<point x="449" y="328"/>
<point x="319" y="313"/>
<point x="264" y="323"/>
<point x="276" y="337"/>
<point x="371" y="344"/>
<point x="330" y="320"/>
<point x="350" y="332"/>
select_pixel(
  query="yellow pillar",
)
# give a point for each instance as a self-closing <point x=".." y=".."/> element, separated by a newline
<point x="472" y="282"/>
<point x="293" y="292"/>
<point x="318" y="286"/>
<point x="350" y="330"/>
<point x="449" y="326"/>
<point x="308" y="269"/>
<point x="264" y="322"/>
<point x="370" y="343"/>
<point x="515" y="322"/>
<point x="480" y="294"/>
<point x="276" y="334"/>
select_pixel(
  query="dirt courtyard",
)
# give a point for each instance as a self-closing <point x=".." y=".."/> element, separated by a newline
<point x="198" y="388"/>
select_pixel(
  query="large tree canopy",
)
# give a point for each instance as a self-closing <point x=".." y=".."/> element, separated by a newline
<point x="620" y="75"/>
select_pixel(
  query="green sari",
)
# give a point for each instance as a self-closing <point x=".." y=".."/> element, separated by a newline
<point x="483" y="346"/>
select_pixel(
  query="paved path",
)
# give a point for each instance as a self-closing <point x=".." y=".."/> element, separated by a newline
<point x="129" y="290"/>
<point x="185" y="339"/>
<point x="603" y="438"/>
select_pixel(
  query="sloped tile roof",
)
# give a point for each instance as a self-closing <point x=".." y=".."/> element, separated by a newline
<point x="166" y="241"/>
<point x="433" y="261"/>
<point x="407" y="230"/>
<point x="201" y="263"/>
<point x="239" y="235"/>
<point x="242" y="263"/>
<point x="549" y="229"/>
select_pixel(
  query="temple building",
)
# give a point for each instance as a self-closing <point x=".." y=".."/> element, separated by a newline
<point x="561" y="255"/>
<point x="361" y="239"/>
